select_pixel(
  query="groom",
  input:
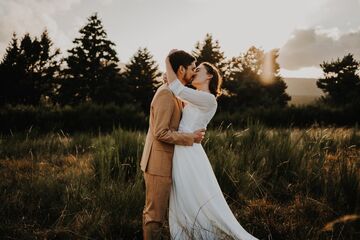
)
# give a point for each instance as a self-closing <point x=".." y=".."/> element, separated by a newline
<point x="162" y="136"/>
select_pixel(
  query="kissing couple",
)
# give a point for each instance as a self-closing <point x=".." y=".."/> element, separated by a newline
<point x="177" y="172"/>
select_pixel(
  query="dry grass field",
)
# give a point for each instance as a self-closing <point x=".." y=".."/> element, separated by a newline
<point x="280" y="183"/>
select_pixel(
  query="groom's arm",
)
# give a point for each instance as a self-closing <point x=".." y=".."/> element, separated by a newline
<point x="163" y="107"/>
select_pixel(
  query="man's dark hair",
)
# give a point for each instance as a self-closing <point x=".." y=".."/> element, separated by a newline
<point x="180" y="58"/>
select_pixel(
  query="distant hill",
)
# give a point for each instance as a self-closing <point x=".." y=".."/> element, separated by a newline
<point x="302" y="90"/>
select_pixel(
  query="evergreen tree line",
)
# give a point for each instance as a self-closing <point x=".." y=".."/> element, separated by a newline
<point x="32" y="72"/>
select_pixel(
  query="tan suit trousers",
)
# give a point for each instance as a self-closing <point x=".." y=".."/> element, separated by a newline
<point x="156" y="204"/>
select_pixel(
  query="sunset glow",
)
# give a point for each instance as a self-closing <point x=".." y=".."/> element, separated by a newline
<point x="306" y="32"/>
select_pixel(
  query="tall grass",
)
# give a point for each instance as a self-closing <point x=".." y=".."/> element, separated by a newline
<point x="280" y="183"/>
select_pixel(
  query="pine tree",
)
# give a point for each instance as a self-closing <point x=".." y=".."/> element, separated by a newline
<point x="242" y="88"/>
<point x="341" y="82"/>
<point x="253" y="80"/>
<point x="142" y="73"/>
<point x="9" y="72"/>
<point x="92" y="73"/>
<point x="28" y="71"/>
<point x="209" y="51"/>
<point x="48" y="67"/>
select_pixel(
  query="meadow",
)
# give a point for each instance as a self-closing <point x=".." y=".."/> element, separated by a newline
<point x="281" y="183"/>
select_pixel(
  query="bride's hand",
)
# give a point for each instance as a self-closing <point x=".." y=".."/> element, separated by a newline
<point x="172" y="51"/>
<point x="165" y="81"/>
<point x="170" y="74"/>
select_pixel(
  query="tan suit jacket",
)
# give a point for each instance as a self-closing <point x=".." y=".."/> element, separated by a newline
<point x="162" y="136"/>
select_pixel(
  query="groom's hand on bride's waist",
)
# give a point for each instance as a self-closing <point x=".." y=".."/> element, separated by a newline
<point x="199" y="135"/>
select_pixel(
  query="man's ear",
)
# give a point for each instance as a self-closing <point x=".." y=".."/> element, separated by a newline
<point x="181" y="72"/>
<point x="181" y="69"/>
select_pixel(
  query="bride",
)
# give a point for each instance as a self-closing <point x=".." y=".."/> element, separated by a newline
<point x="197" y="208"/>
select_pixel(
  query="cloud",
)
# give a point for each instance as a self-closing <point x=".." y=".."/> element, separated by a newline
<point x="31" y="16"/>
<point x="344" y="14"/>
<point x="310" y="47"/>
<point x="106" y="2"/>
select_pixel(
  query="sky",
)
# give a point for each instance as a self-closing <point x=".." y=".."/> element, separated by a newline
<point x="307" y="32"/>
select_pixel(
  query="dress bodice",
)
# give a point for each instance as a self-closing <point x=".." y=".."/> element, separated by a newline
<point x="193" y="118"/>
<point x="199" y="110"/>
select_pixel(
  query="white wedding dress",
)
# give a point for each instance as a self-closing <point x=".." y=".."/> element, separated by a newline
<point x="197" y="208"/>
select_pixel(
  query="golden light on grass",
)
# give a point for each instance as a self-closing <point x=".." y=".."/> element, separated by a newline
<point x="344" y="219"/>
<point x="81" y="183"/>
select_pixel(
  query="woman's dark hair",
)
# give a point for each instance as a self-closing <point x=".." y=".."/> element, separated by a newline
<point x="215" y="81"/>
<point x="180" y="58"/>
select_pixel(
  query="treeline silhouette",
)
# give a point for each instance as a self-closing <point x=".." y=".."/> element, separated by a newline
<point x="87" y="90"/>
